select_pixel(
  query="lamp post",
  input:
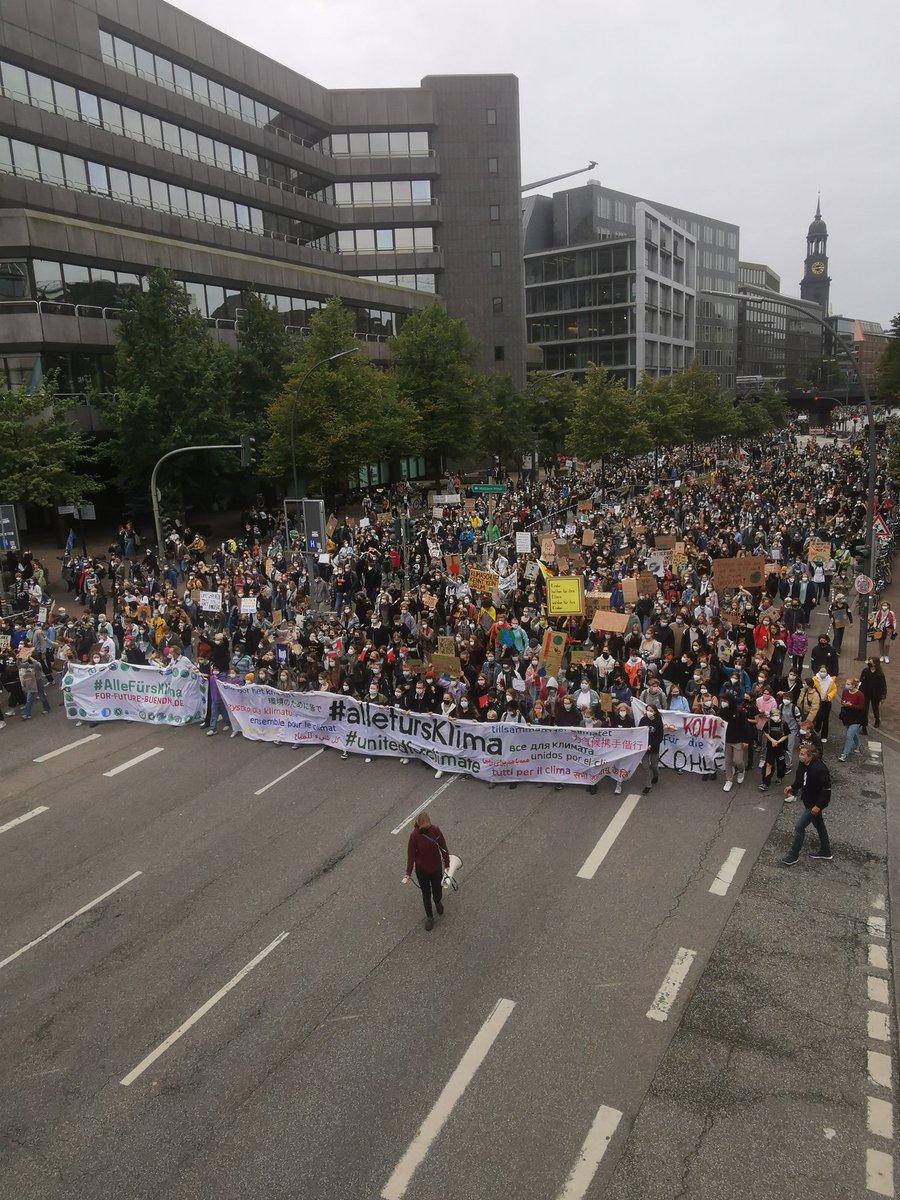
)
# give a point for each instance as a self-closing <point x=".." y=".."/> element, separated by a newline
<point x="298" y="390"/>
<point x="749" y="292"/>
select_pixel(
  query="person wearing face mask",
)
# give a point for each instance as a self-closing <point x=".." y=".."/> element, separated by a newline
<point x="790" y="715"/>
<point x="566" y="713"/>
<point x="654" y="693"/>
<point x="885" y="630"/>
<point x="812" y="784"/>
<point x="604" y="665"/>
<point x="738" y="738"/>
<point x="775" y="743"/>
<point x="873" y="685"/>
<point x="798" y="644"/>
<point x="705" y="702"/>
<point x="826" y="686"/>
<point x="676" y="701"/>
<point x="852" y="708"/>
<point x="586" y="698"/>
<point x="652" y="721"/>
<point x="841" y="616"/>
<point x="823" y="655"/>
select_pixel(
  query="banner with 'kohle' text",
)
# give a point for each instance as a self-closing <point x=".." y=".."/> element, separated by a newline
<point x="496" y="752"/>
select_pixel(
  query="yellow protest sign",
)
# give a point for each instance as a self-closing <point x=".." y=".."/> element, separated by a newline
<point x="565" y="596"/>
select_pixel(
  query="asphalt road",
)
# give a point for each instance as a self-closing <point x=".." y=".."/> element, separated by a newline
<point x="361" y="1055"/>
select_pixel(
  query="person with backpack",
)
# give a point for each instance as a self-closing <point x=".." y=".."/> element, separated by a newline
<point x="427" y="852"/>
<point x="32" y="682"/>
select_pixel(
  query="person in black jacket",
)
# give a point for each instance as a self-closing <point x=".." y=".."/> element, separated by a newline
<point x="813" y="785"/>
<point x="653" y="721"/>
<point x="873" y="686"/>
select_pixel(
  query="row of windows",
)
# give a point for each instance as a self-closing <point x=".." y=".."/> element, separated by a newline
<point x="590" y="293"/>
<point x="604" y="323"/>
<point x="100" y="287"/>
<point x="368" y="241"/>
<point x="574" y="264"/>
<point x="716" y="358"/>
<point x="421" y="281"/>
<point x="718" y="262"/>
<point x="607" y="354"/>
<point x="69" y="171"/>
<point x="384" y="191"/>
<point x="725" y="310"/>
<point x="402" y="143"/>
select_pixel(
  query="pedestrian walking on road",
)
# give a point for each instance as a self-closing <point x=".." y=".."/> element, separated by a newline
<point x="873" y="686"/>
<point x="427" y="851"/>
<point x="812" y="784"/>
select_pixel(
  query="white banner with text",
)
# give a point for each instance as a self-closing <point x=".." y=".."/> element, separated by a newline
<point x="120" y="691"/>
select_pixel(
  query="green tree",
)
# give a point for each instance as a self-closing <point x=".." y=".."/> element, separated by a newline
<point x="42" y="455"/>
<point x="434" y="363"/>
<point x="264" y="350"/>
<point x="758" y="415"/>
<point x="605" y="421"/>
<point x="345" y="412"/>
<point x="173" y="387"/>
<point x="889" y="367"/>
<point x="707" y="412"/>
<point x="664" y="411"/>
<point x="502" y="427"/>
<point x="547" y="402"/>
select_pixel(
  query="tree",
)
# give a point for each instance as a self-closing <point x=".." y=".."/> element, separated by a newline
<point x="605" y="421"/>
<point x="664" y="411"/>
<point x="502" y="425"/>
<point x="173" y="387"/>
<point x="346" y="412"/>
<point x="264" y="349"/>
<point x="547" y="402"/>
<point x="42" y="456"/>
<point x="434" y="359"/>
<point x="707" y="412"/>
<point x="889" y="367"/>
<point x="758" y="415"/>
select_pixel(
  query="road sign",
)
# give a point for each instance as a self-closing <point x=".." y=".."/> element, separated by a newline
<point x="486" y="489"/>
<point x="863" y="584"/>
<point x="9" y="533"/>
<point x="879" y="526"/>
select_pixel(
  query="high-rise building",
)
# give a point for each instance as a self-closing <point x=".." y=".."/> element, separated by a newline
<point x="778" y="344"/>
<point x="579" y="218"/>
<point x="132" y="135"/>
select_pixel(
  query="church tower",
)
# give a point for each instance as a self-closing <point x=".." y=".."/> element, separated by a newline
<point x="816" y="284"/>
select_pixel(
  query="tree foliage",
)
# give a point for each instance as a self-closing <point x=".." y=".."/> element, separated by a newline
<point x="704" y="412"/>
<point x="434" y="362"/>
<point x="547" y="402"/>
<point x="606" y="420"/>
<point x="42" y="455"/>
<point x="502" y="427"/>
<point x="264" y="350"/>
<point x="889" y="367"/>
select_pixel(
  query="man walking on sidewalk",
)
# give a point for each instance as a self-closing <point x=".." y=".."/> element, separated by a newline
<point x="812" y="784"/>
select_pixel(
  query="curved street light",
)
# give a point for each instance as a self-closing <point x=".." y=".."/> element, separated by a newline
<point x="299" y="389"/>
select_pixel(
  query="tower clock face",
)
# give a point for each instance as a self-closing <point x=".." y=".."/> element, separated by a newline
<point x="818" y="268"/>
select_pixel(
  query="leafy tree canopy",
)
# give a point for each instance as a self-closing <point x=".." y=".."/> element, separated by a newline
<point x="42" y="455"/>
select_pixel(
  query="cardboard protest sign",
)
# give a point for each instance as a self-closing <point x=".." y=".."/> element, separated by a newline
<point x="523" y="543"/>
<point x="665" y="541"/>
<point x="548" y="549"/>
<point x="331" y="525"/>
<point x="739" y="572"/>
<point x="552" y="649"/>
<point x="212" y="602"/>
<point x="415" y="666"/>
<point x="532" y="570"/>
<point x="561" y="549"/>
<point x="446" y="646"/>
<point x="565" y="596"/>
<point x="429" y="601"/>
<point x="585" y="506"/>
<point x="437" y="512"/>
<point x="248" y="605"/>
<point x="606" y="702"/>
<point x="445" y="664"/>
<point x="277" y="617"/>
<point x="630" y="589"/>
<point x="587" y="537"/>
<point x="482" y="581"/>
<point x="646" y="582"/>
<point x="451" y="562"/>
<point x="609" y="622"/>
<point x="818" y="549"/>
<point x="577" y="657"/>
<point x="470" y="503"/>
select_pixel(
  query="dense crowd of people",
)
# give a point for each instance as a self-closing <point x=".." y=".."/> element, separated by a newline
<point x="355" y="618"/>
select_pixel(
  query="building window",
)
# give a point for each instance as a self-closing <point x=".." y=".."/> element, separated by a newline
<point x="499" y="354"/>
<point x="498" y="304"/>
<point x="492" y="116"/>
<point x="495" y="212"/>
<point x="493" y="166"/>
<point x="496" y="258"/>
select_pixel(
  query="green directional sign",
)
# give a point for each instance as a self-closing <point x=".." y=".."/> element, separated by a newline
<point x="494" y="489"/>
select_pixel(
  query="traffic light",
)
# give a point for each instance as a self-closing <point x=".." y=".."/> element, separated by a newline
<point x="248" y="450"/>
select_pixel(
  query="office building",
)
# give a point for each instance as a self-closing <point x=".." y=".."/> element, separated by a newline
<point x="132" y="135"/>
<point x="777" y="344"/>
<point x="580" y="218"/>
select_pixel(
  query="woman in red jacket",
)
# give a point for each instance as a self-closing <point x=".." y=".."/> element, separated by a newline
<point x="852" y="705"/>
<point x="427" y="851"/>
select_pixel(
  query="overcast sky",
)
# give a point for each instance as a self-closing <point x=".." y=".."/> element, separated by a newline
<point x="739" y="111"/>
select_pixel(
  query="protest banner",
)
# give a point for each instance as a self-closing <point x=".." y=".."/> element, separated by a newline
<point x="446" y="646"/>
<point x="508" y="583"/>
<point x="482" y="581"/>
<point x="523" y="543"/>
<point x="494" y="752"/>
<point x="211" y="601"/>
<point x="630" y="589"/>
<point x="609" y="622"/>
<point x="565" y="596"/>
<point x="696" y="743"/>
<point x="818" y="549"/>
<point x="739" y="572"/>
<point x="120" y="691"/>
<point x="552" y="649"/>
<point x="248" y="604"/>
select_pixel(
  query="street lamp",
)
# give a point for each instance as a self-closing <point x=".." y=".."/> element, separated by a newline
<point x="299" y="389"/>
<point x="749" y="292"/>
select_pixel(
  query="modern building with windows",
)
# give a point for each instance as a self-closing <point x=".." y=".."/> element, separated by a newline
<point x="777" y="344"/>
<point x="133" y="136"/>
<point x="592" y="213"/>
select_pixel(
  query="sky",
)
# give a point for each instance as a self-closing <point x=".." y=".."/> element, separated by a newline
<point x="740" y="111"/>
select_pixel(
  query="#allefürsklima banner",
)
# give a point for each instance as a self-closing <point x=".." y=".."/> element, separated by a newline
<point x="121" y="691"/>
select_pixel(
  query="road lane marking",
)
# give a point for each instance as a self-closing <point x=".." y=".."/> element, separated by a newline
<point x="603" y="847"/>
<point x="878" y="989"/>
<point x="92" y="737"/>
<point x="879" y="1026"/>
<point x="591" y="1154"/>
<point x="133" y="762"/>
<point x="56" y="928"/>
<point x="201" y="1011"/>
<point x="880" y="1117"/>
<point x="874" y="747"/>
<point x="879" y="1173"/>
<point x="35" y="812"/>
<point x="396" y="1186"/>
<point x="727" y="871"/>
<point x="878" y="958"/>
<point x="878" y="902"/>
<point x="665" y="997"/>
<point x="880" y="1069"/>
<point x="309" y="758"/>
<point x="434" y="795"/>
<point x="877" y="927"/>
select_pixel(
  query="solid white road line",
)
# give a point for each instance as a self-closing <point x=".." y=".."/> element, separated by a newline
<point x="92" y="737"/>
<point x="434" y="795"/>
<point x="879" y="1026"/>
<point x="613" y="829"/>
<point x="592" y="1150"/>
<point x="418" y="1148"/>
<point x="201" y="1011"/>
<point x="35" y="812"/>
<point x="880" y="1069"/>
<point x="877" y="927"/>
<point x="303" y="763"/>
<point x="727" y="871"/>
<point x="85" y="908"/>
<point x="665" y="997"/>
<point x="878" y="958"/>
<point x="133" y="762"/>
<point x="880" y="1117"/>
<point x="879" y="1173"/>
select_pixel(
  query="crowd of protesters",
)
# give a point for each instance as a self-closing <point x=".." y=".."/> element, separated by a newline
<point x="354" y="618"/>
